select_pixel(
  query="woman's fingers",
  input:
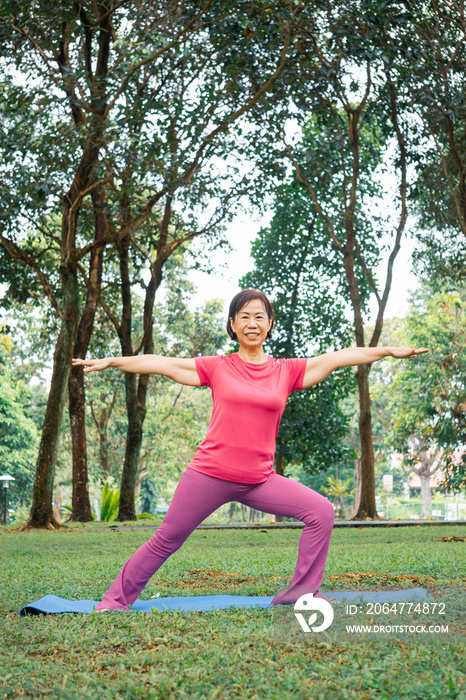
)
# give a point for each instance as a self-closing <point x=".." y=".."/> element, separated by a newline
<point x="409" y="352"/>
<point x="90" y="365"/>
<point x="417" y="351"/>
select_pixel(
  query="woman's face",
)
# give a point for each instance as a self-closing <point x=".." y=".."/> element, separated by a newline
<point x="251" y="324"/>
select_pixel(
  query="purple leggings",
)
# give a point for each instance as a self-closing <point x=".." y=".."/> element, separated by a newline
<point x="197" y="496"/>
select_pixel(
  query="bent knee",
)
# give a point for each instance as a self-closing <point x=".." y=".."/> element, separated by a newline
<point x="324" y="513"/>
<point x="330" y="511"/>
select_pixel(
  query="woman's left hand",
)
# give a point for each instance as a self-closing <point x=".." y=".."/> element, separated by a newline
<point x="403" y="353"/>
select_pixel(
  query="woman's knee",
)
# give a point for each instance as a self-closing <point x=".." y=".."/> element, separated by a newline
<point x="329" y="513"/>
<point x="322" y="512"/>
<point x="167" y="540"/>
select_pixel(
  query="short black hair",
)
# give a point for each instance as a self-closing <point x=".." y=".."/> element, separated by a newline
<point x="243" y="298"/>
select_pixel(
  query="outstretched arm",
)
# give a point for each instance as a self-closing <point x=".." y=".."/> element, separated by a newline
<point x="319" y="368"/>
<point x="181" y="370"/>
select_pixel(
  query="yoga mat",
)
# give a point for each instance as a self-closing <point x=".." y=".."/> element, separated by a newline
<point x="52" y="604"/>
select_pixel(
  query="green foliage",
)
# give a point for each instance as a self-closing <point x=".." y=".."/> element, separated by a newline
<point x="177" y="417"/>
<point x="292" y="266"/>
<point x="431" y="75"/>
<point x="148" y="495"/>
<point x="153" y="92"/>
<point x="427" y="394"/>
<point x="110" y="503"/>
<point x="176" y="422"/>
<point x="336" y="488"/>
<point x="296" y="267"/>
<point x="19" y="436"/>
<point x="156" y="92"/>
<point x="180" y="330"/>
<point x="116" y="131"/>
<point x="332" y="222"/>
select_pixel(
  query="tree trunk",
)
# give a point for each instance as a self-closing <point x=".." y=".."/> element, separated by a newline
<point x="101" y="421"/>
<point x="136" y="414"/>
<point x="357" y="495"/>
<point x="426" y="494"/>
<point x="425" y="472"/>
<point x="136" y="392"/>
<point x="366" y="507"/>
<point x="41" y="515"/>
<point x="77" y="406"/>
<point x="103" y="451"/>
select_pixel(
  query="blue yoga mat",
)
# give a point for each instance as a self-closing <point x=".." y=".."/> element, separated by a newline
<point x="51" y="604"/>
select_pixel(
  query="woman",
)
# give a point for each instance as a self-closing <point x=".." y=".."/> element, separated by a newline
<point x="235" y="461"/>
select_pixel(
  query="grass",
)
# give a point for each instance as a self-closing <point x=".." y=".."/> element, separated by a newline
<point x="232" y="653"/>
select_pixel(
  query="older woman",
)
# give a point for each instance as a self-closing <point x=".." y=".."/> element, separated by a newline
<point x="235" y="461"/>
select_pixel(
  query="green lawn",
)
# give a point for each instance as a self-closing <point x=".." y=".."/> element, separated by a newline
<point x="233" y="653"/>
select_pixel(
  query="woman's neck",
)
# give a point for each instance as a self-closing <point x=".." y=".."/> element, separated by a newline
<point x="255" y="356"/>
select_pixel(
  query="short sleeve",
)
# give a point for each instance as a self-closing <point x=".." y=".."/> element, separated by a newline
<point x="296" y="369"/>
<point x="206" y="367"/>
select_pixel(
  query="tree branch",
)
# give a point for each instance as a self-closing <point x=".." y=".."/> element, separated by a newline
<point x="17" y="253"/>
<point x="102" y="302"/>
<point x="239" y="112"/>
<point x="403" y="213"/>
<point x="153" y="57"/>
<point x="302" y="181"/>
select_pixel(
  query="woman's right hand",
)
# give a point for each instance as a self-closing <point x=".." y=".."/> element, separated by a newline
<point x="93" y="365"/>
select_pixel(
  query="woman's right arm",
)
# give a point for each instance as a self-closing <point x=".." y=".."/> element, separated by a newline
<point x="181" y="370"/>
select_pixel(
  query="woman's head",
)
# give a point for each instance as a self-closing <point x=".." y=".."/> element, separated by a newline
<point x="247" y="309"/>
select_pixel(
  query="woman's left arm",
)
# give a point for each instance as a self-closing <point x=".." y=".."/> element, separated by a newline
<point x="319" y="368"/>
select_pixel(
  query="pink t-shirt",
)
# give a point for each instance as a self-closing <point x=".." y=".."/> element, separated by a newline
<point x="249" y="401"/>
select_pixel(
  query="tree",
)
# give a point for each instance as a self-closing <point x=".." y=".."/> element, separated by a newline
<point x="107" y="422"/>
<point x="178" y="331"/>
<point x="124" y="107"/>
<point x="290" y="266"/>
<point x="430" y="67"/>
<point x="350" y="106"/>
<point x="176" y="418"/>
<point x="426" y="398"/>
<point x="19" y="435"/>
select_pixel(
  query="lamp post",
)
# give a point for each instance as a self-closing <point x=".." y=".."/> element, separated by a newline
<point x="5" y="479"/>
